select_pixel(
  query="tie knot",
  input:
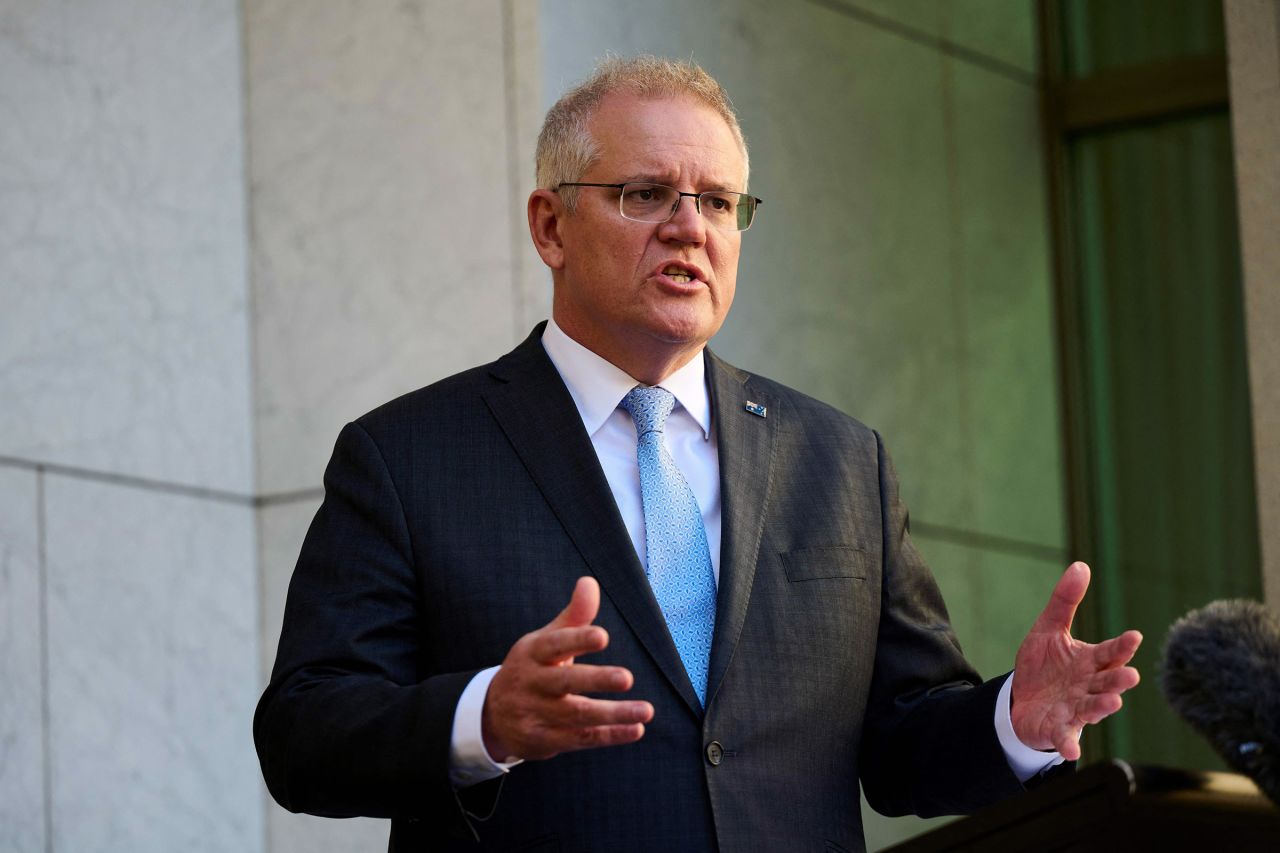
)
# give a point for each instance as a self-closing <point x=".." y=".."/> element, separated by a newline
<point x="649" y="406"/>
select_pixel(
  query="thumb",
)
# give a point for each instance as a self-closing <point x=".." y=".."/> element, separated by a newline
<point x="1068" y="745"/>
<point x="1059" y="613"/>
<point x="582" y="607"/>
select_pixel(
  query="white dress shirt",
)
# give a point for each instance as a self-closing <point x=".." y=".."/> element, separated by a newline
<point x="597" y="387"/>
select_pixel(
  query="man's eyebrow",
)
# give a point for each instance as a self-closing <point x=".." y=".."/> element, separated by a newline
<point x="646" y="178"/>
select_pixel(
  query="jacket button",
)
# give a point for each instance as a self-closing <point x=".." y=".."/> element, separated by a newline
<point x="715" y="752"/>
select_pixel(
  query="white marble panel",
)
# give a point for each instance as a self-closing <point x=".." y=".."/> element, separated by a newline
<point x="124" y="334"/>
<point x="382" y="234"/>
<point x="153" y="671"/>
<point x="577" y="33"/>
<point x="525" y="111"/>
<point x="22" y="771"/>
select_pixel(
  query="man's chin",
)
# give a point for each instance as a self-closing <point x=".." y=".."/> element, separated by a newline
<point x="683" y="335"/>
<point x="684" y="325"/>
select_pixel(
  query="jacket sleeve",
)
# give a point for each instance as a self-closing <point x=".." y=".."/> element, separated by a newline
<point x="348" y="724"/>
<point x="929" y="745"/>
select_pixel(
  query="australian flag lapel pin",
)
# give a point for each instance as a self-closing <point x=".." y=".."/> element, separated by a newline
<point x="756" y="409"/>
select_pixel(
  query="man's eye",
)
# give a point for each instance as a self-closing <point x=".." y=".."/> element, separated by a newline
<point x="720" y="203"/>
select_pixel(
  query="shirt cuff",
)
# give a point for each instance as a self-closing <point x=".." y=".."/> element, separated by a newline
<point x="469" y="762"/>
<point x="1024" y="761"/>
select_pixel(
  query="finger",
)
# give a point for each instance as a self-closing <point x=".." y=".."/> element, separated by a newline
<point x="605" y="736"/>
<point x="579" y="712"/>
<point x="1114" y="680"/>
<point x="1067" y="743"/>
<point x="1095" y="709"/>
<point x="550" y="742"/>
<point x="1067" y="595"/>
<point x="1117" y="651"/>
<point x="583" y="605"/>
<point x="552" y="646"/>
<point x="583" y="678"/>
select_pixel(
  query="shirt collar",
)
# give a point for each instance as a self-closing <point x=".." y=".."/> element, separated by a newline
<point x="597" y="386"/>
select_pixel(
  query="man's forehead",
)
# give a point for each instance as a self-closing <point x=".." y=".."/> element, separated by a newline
<point x="628" y="108"/>
<point x="658" y="139"/>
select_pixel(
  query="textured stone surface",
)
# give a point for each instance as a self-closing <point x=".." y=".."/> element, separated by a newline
<point x="522" y="63"/>
<point x="380" y="175"/>
<point x="153" y="671"/>
<point x="124" y="336"/>
<point x="22" y="771"/>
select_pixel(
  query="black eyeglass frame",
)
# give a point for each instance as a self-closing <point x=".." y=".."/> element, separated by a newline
<point x="697" y="199"/>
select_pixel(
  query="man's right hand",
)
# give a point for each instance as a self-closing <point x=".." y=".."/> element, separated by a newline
<point x="534" y="707"/>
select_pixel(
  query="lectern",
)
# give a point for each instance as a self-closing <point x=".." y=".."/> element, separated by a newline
<point x="1117" y="807"/>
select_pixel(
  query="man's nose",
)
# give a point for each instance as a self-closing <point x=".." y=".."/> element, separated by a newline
<point x="686" y="224"/>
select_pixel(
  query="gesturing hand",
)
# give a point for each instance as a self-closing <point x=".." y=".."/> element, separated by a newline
<point x="534" y="708"/>
<point x="1061" y="683"/>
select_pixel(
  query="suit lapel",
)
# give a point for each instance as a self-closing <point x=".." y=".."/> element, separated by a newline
<point x="745" y="443"/>
<point x="535" y="411"/>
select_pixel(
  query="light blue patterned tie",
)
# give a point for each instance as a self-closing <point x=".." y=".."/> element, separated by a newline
<point x="679" y="561"/>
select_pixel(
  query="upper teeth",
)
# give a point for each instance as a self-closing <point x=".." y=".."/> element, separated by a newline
<point x="676" y="272"/>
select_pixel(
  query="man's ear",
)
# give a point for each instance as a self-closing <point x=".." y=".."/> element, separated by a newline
<point x="546" y="216"/>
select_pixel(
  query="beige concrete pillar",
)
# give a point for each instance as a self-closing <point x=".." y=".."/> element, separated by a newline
<point x="1253" y="48"/>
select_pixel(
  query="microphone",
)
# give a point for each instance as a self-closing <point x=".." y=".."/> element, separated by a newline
<point x="1221" y="673"/>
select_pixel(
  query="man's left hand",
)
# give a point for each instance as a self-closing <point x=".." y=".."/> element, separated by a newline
<point x="1061" y="683"/>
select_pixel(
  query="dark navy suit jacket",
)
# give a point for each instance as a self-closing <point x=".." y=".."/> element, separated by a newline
<point x="458" y="517"/>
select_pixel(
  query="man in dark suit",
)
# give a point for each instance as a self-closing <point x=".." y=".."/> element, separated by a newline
<point x="727" y="691"/>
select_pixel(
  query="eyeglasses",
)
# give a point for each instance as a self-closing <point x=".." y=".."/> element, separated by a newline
<point x="657" y="203"/>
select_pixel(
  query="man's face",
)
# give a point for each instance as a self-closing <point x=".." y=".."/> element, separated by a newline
<point x="622" y="290"/>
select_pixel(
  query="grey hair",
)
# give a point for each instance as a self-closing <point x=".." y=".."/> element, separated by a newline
<point x="566" y="148"/>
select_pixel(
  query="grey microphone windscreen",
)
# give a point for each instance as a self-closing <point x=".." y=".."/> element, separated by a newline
<point x="1221" y="674"/>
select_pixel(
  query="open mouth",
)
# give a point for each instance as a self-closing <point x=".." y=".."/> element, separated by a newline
<point x="678" y="274"/>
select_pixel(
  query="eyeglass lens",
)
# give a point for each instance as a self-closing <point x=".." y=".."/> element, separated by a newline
<point x="657" y="203"/>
